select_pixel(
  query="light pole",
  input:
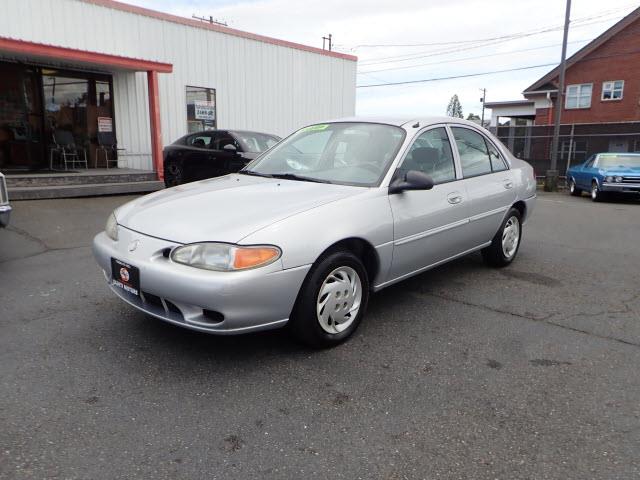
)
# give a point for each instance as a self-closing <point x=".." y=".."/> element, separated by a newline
<point x="484" y="96"/>
<point x="551" y="179"/>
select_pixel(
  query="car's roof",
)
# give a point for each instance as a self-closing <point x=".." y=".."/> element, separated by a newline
<point x="405" y="119"/>
<point x="230" y="131"/>
<point x="616" y="154"/>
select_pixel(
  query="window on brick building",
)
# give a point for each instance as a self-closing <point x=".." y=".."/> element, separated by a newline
<point x="612" y="90"/>
<point x="578" y="96"/>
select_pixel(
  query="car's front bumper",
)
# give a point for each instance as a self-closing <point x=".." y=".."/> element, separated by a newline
<point x="249" y="300"/>
<point x="5" y="215"/>
<point x="620" y="187"/>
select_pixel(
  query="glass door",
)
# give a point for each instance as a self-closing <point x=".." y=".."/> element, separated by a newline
<point x="80" y="104"/>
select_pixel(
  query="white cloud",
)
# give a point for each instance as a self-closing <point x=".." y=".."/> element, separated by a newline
<point x="358" y="22"/>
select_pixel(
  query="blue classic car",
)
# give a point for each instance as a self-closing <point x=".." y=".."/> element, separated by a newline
<point x="606" y="173"/>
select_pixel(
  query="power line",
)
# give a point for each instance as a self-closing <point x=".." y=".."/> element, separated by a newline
<point x="602" y="13"/>
<point x="408" y="82"/>
<point x="481" y="43"/>
<point x="468" y="58"/>
<point x="388" y="84"/>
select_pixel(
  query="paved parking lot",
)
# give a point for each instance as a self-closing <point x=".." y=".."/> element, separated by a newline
<point x="530" y="372"/>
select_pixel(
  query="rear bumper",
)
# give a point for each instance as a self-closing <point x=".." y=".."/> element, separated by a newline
<point x="620" y="187"/>
<point x="250" y="300"/>
<point x="5" y="215"/>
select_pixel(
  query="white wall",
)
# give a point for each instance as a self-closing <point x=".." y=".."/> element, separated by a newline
<point x="259" y="86"/>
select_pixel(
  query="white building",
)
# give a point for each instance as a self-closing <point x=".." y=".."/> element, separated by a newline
<point x="89" y="66"/>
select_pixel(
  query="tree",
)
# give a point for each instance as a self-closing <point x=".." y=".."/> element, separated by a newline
<point x="454" y="109"/>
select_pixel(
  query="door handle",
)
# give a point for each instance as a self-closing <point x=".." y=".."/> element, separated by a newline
<point x="508" y="184"/>
<point x="454" y="198"/>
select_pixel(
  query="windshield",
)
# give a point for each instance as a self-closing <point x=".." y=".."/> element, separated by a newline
<point x="344" y="153"/>
<point x="613" y="161"/>
<point x="255" y="142"/>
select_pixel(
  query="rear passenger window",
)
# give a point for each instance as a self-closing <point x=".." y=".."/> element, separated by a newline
<point x="431" y="153"/>
<point x="201" y="141"/>
<point x="497" y="162"/>
<point x="474" y="155"/>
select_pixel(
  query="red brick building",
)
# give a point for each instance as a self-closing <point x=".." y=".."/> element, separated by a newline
<point x="601" y="104"/>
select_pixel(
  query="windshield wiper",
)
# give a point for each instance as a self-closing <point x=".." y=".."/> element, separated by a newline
<point x="293" y="176"/>
<point x="255" y="174"/>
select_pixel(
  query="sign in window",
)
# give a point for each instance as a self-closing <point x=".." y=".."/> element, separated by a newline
<point x="201" y="109"/>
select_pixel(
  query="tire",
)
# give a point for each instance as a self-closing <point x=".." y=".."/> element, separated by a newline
<point x="573" y="189"/>
<point x="505" y="244"/>
<point x="173" y="174"/>
<point x="325" y="314"/>
<point x="596" y="194"/>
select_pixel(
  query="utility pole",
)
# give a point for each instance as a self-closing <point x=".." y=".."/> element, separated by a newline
<point x="551" y="179"/>
<point x="484" y="96"/>
<point x="327" y="39"/>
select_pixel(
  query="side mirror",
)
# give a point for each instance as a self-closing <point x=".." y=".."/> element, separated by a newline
<point x="411" y="180"/>
<point x="229" y="147"/>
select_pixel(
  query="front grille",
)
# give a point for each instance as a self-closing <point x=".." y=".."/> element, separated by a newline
<point x="4" y="198"/>
<point x="630" y="179"/>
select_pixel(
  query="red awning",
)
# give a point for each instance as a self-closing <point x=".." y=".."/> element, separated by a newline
<point x="50" y="52"/>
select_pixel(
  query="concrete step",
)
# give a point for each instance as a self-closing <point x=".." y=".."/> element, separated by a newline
<point x="88" y="190"/>
<point x="64" y="179"/>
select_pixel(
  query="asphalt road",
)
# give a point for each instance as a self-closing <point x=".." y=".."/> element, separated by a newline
<point x="464" y="372"/>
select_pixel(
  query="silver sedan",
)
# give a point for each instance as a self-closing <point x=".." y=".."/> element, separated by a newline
<point x="308" y="230"/>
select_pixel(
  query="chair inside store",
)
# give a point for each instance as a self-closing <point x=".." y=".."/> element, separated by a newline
<point x="66" y="152"/>
<point x="107" y="149"/>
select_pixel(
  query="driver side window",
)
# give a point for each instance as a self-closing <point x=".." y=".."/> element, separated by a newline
<point x="431" y="154"/>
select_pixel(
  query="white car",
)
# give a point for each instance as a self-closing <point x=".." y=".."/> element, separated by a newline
<point x="305" y="232"/>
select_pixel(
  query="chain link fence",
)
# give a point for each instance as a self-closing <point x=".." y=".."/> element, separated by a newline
<point x="577" y="142"/>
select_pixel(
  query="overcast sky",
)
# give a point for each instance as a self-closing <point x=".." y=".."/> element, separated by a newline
<point x="355" y="24"/>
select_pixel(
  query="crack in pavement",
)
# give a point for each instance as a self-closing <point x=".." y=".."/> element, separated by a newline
<point x="31" y="255"/>
<point x="545" y="319"/>
<point x="45" y="247"/>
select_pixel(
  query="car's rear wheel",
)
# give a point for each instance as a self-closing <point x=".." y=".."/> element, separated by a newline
<point x="506" y="242"/>
<point x="573" y="189"/>
<point x="173" y="173"/>
<point x="332" y="301"/>
<point x="596" y="194"/>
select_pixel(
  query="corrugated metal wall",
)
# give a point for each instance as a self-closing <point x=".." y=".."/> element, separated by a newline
<point x="259" y="86"/>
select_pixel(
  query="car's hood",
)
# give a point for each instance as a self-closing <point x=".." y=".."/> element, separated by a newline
<point x="622" y="171"/>
<point x="225" y="209"/>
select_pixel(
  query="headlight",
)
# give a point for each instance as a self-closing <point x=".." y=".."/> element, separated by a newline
<point x="224" y="257"/>
<point x="111" y="228"/>
<point x="619" y="179"/>
<point x="609" y="179"/>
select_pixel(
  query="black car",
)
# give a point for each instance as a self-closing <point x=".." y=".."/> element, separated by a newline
<point x="212" y="153"/>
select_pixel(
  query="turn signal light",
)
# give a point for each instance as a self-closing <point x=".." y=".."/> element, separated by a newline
<point x="254" y="257"/>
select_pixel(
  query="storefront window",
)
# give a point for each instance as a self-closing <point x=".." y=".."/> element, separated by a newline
<point x="201" y="109"/>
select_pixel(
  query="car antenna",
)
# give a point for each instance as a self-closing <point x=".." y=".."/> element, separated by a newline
<point x="416" y="125"/>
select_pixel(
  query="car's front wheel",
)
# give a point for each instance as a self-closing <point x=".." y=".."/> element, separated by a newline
<point x="506" y="242"/>
<point x="596" y="194"/>
<point x="573" y="189"/>
<point x="332" y="301"/>
<point x="173" y="173"/>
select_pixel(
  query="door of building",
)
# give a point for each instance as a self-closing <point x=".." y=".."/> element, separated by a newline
<point x="618" y="145"/>
<point x="73" y="102"/>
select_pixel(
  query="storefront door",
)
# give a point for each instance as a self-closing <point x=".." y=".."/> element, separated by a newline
<point x="74" y="102"/>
